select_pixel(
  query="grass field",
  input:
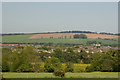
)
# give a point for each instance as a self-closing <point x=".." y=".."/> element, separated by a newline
<point x="25" y="39"/>
<point x="67" y="75"/>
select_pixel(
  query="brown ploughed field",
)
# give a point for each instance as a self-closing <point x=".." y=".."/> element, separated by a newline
<point x="70" y="35"/>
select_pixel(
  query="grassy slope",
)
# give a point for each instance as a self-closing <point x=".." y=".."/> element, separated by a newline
<point x="24" y="39"/>
<point x="68" y="75"/>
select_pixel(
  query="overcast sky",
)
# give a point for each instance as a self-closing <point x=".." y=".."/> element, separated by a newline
<point x="59" y="16"/>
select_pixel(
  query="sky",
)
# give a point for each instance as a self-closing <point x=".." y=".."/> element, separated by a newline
<point x="59" y="16"/>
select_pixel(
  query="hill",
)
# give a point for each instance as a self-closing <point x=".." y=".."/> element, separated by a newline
<point x="31" y="39"/>
<point x="70" y="35"/>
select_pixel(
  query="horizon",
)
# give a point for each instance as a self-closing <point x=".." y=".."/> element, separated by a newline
<point x="61" y="31"/>
<point x="52" y="32"/>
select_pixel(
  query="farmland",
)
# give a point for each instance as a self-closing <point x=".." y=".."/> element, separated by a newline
<point x="26" y="39"/>
<point x="70" y="35"/>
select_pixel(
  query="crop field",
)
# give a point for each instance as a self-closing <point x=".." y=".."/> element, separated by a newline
<point x="77" y="67"/>
<point x="80" y="67"/>
<point x="26" y="39"/>
<point x="70" y="35"/>
<point x="68" y="75"/>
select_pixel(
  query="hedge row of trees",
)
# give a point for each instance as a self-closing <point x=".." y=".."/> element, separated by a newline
<point x="78" y="36"/>
<point x="27" y="60"/>
<point x="106" y="62"/>
<point x="90" y="32"/>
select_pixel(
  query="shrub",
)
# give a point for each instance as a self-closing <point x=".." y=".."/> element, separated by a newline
<point x="49" y="67"/>
<point x="89" y="69"/>
<point x="38" y="68"/>
<point x="24" y="68"/>
<point x="59" y="72"/>
<point x="69" y="67"/>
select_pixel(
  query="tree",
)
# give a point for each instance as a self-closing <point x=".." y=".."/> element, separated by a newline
<point x="10" y="61"/>
<point x="82" y="36"/>
<point x="59" y="72"/>
<point x="51" y="64"/>
<point x="70" y="55"/>
<point x="65" y="37"/>
<point x="19" y="59"/>
<point x="105" y="62"/>
<point x="69" y="67"/>
<point x="5" y="67"/>
<point x="58" y="53"/>
<point x="70" y="37"/>
<point x="24" y="68"/>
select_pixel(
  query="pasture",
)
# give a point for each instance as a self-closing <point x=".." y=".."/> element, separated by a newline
<point x="68" y="75"/>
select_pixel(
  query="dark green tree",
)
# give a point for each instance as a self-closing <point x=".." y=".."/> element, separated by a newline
<point x="51" y="64"/>
<point x="78" y="36"/>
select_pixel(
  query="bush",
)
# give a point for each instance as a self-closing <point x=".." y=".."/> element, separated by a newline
<point x="89" y="69"/>
<point x="59" y="73"/>
<point x="69" y="67"/>
<point x="24" y="68"/>
<point x="49" y="67"/>
<point x="80" y="70"/>
<point x="38" y="68"/>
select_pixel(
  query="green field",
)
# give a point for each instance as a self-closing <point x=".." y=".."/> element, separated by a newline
<point x="25" y="39"/>
<point x="68" y="75"/>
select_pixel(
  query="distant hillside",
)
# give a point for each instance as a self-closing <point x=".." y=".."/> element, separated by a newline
<point x="25" y="39"/>
<point x="70" y="35"/>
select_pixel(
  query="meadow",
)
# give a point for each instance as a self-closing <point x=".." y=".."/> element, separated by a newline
<point x="67" y="75"/>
